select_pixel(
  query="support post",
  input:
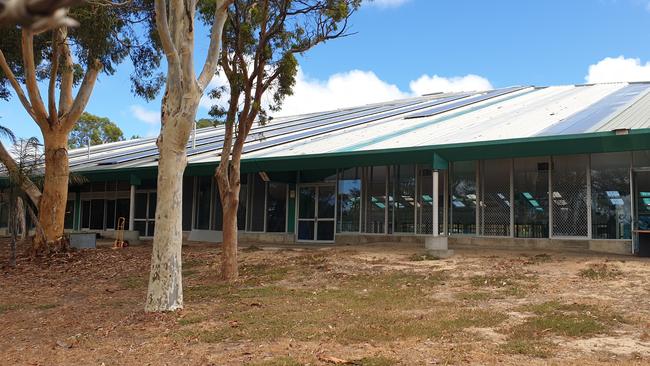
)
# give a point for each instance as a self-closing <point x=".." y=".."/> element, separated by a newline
<point x="132" y="208"/>
<point x="436" y="204"/>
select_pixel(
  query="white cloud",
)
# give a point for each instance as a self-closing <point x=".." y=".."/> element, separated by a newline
<point x="145" y="115"/>
<point x="611" y="69"/>
<point x="341" y="90"/>
<point x="358" y="87"/>
<point x="429" y="84"/>
<point x="387" y="3"/>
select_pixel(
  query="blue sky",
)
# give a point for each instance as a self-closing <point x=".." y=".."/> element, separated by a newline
<point x="407" y="47"/>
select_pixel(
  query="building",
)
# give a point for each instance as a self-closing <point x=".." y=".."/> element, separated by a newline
<point x="527" y="167"/>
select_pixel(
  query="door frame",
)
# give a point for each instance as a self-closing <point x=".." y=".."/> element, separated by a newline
<point x="315" y="219"/>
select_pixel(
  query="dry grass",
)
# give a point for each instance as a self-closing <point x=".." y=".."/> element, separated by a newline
<point x="364" y="306"/>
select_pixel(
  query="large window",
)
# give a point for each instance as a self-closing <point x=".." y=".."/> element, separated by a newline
<point x="69" y="215"/>
<point x="569" y="196"/>
<point x="349" y="204"/>
<point x="531" y="197"/>
<point x="258" y="197"/>
<point x="276" y="207"/>
<point x="203" y="198"/>
<point x="404" y="199"/>
<point x="243" y="202"/>
<point x="495" y="197"/>
<point x="217" y="209"/>
<point x="376" y="199"/>
<point x="610" y="196"/>
<point x="463" y="197"/>
<point x="188" y="191"/>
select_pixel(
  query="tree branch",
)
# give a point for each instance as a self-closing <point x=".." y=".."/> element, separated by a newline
<point x="54" y="70"/>
<point x="83" y="95"/>
<point x="173" y="59"/>
<point x="67" y="75"/>
<point x="216" y="35"/>
<point x="16" y="86"/>
<point x="27" y="46"/>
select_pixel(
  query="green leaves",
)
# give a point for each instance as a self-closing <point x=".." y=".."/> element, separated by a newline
<point x="99" y="130"/>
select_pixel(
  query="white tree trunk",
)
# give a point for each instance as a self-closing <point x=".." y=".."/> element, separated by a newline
<point x="165" y="280"/>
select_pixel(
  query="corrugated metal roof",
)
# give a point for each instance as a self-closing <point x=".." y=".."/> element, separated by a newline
<point x="437" y="119"/>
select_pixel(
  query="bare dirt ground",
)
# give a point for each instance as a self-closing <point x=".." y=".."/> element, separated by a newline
<point x="373" y="305"/>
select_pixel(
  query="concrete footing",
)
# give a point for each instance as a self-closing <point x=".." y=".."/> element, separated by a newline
<point x="438" y="246"/>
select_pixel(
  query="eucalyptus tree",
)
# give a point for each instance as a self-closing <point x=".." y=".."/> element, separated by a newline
<point x="63" y="60"/>
<point x="94" y="130"/>
<point x="261" y="40"/>
<point x="175" y="23"/>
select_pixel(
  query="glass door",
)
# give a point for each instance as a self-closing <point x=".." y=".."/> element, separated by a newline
<point x="316" y="209"/>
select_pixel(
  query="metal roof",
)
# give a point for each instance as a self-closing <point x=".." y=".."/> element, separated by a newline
<point x="429" y="120"/>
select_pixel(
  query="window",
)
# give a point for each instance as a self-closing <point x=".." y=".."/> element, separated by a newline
<point x="243" y="202"/>
<point x="463" y="197"/>
<point x="97" y="214"/>
<point x="110" y="214"/>
<point x="426" y="200"/>
<point x="203" y="197"/>
<point x="69" y="215"/>
<point x="188" y="191"/>
<point x="122" y="210"/>
<point x="349" y="204"/>
<point x="259" y="194"/>
<point x="217" y="210"/>
<point x="276" y="207"/>
<point x="611" y="216"/>
<point x="569" y="195"/>
<point x="376" y="199"/>
<point x="531" y="197"/>
<point x="404" y="203"/>
<point x="495" y="197"/>
<point x="85" y="214"/>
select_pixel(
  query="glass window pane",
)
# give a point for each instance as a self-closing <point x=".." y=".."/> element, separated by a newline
<point x="376" y="199"/>
<point x="188" y="190"/>
<point x="152" y="205"/>
<point x="151" y="226"/>
<point x="122" y="210"/>
<point x="531" y="197"/>
<point x="259" y="195"/>
<point x="110" y="214"/>
<point x="306" y="230"/>
<point x="404" y="204"/>
<point x="307" y="203"/>
<point x="326" y="202"/>
<point x="325" y="230"/>
<point x="276" y="207"/>
<point x="140" y="206"/>
<point x="241" y="210"/>
<point x="349" y="201"/>
<point x="495" y="197"/>
<point x="204" y="186"/>
<point x="97" y="214"/>
<point x="140" y="227"/>
<point x="463" y="197"/>
<point x="611" y="212"/>
<point x="569" y="196"/>
<point x="85" y="214"/>
<point x="69" y="215"/>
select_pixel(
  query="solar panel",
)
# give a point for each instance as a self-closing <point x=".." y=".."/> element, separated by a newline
<point x="593" y="115"/>
<point x="465" y="102"/>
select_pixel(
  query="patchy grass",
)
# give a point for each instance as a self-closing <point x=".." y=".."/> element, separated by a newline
<point x="252" y="249"/>
<point x="475" y="295"/>
<point x="600" y="271"/>
<point x="570" y="320"/>
<point x="278" y="361"/>
<point x="133" y="282"/>
<point x="7" y="307"/>
<point x="528" y="347"/>
<point x="537" y="259"/>
<point x="419" y="257"/>
<point x="45" y="306"/>
<point x="375" y="361"/>
<point x="191" y="319"/>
